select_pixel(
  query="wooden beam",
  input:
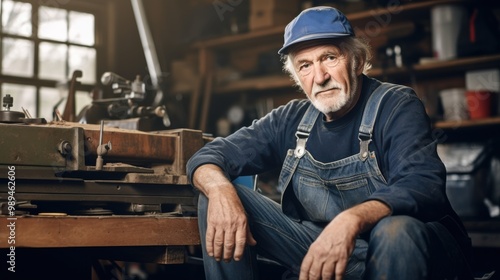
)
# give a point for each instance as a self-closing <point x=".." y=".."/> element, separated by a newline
<point x="98" y="231"/>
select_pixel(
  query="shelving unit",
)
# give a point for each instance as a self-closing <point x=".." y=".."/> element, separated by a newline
<point x="431" y="68"/>
<point x="262" y="36"/>
<point x="385" y="18"/>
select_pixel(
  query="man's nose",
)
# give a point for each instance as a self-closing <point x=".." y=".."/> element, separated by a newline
<point x="321" y="74"/>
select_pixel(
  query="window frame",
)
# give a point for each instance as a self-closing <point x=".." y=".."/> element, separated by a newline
<point x="96" y="7"/>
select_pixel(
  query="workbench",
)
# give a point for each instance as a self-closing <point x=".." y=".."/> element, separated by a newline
<point x="74" y="201"/>
<point x="68" y="247"/>
<point x="74" y="247"/>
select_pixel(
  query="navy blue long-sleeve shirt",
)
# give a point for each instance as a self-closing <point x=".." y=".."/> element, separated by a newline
<point x="402" y="142"/>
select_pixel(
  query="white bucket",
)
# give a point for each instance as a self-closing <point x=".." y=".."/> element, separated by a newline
<point x="446" y="21"/>
<point x="454" y="104"/>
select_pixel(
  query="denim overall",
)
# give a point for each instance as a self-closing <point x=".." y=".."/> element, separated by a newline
<point x="326" y="189"/>
<point x="317" y="192"/>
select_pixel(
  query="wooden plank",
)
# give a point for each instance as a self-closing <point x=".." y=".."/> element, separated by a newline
<point x="243" y="38"/>
<point x="99" y="231"/>
<point x="458" y="63"/>
<point x="153" y="147"/>
<point x="126" y="148"/>
<point x="256" y="83"/>
<point x="194" y="102"/>
<point x="190" y="141"/>
<point x="207" y="100"/>
<point x="493" y="121"/>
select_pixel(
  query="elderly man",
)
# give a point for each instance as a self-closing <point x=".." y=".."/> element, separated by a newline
<point x="363" y="188"/>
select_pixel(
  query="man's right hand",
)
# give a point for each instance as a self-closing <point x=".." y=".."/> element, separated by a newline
<point x="227" y="230"/>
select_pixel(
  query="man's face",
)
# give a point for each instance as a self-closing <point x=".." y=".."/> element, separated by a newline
<point x="328" y="78"/>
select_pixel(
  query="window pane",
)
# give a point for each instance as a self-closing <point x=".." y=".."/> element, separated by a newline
<point x="52" y="24"/>
<point x="82" y="100"/>
<point x="16" y="18"/>
<point x="81" y="28"/>
<point x="84" y="59"/>
<point x="24" y="96"/>
<point x="52" y="59"/>
<point x="17" y="57"/>
<point x="52" y="97"/>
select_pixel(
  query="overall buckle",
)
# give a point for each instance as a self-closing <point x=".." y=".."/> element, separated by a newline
<point x="364" y="141"/>
<point x="300" y="149"/>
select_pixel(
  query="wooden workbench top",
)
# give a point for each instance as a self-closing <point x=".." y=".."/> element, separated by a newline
<point x="97" y="231"/>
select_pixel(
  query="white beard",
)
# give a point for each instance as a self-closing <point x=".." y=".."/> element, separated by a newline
<point x="333" y="104"/>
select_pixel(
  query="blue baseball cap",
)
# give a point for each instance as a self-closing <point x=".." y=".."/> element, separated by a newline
<point x="316" y="23"/>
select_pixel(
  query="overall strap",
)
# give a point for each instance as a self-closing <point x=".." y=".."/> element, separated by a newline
<point x="305" y="126"/>
<point x="370" y="115"/>
<point x="292" y="161"/>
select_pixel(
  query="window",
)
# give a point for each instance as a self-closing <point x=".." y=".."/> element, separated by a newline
<point x="41" y="46"/>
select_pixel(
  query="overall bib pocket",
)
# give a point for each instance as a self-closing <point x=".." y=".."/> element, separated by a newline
<point x="323" y="200"/>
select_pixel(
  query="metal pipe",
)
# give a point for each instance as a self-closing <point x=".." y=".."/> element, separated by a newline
<point x="147" y="42"/>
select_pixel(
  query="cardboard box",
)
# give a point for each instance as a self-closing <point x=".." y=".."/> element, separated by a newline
<point x="283" y="6"/>
<point x="269" y="13"/>
<point x="266" y="20"/>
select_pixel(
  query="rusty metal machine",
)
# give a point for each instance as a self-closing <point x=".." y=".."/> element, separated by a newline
<point x="72" y="168"/>
<point x="121" y="155"/>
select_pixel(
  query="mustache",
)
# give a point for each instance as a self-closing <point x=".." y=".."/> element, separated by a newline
<point x="331" y="84"/>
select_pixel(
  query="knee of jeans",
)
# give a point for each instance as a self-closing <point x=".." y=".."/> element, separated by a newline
<point x="398" y="228"/>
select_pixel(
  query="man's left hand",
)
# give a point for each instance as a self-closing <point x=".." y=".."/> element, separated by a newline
<point x="328" y="255"/>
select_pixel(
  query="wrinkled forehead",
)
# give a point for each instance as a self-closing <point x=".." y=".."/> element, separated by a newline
<point x="302" y="47"/>
<point x="308" y="52"/>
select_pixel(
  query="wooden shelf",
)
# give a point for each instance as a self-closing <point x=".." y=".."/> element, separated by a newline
<point x="459" y="64"/>
<point x="100" y="231"/>
<point x="357" y="19"/>
<point x="280" y="81"/>
<point x="448" y="66"/>
<point x="384" y="15"/>
<point x="392" y="71"/>
<point x="228" y="42"/>
<point x="467" y="123"/>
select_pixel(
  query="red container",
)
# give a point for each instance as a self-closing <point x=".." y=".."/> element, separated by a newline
<point x="479" y="103"/>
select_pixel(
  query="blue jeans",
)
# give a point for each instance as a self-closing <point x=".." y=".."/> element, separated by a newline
<point x="398" y="247"/>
